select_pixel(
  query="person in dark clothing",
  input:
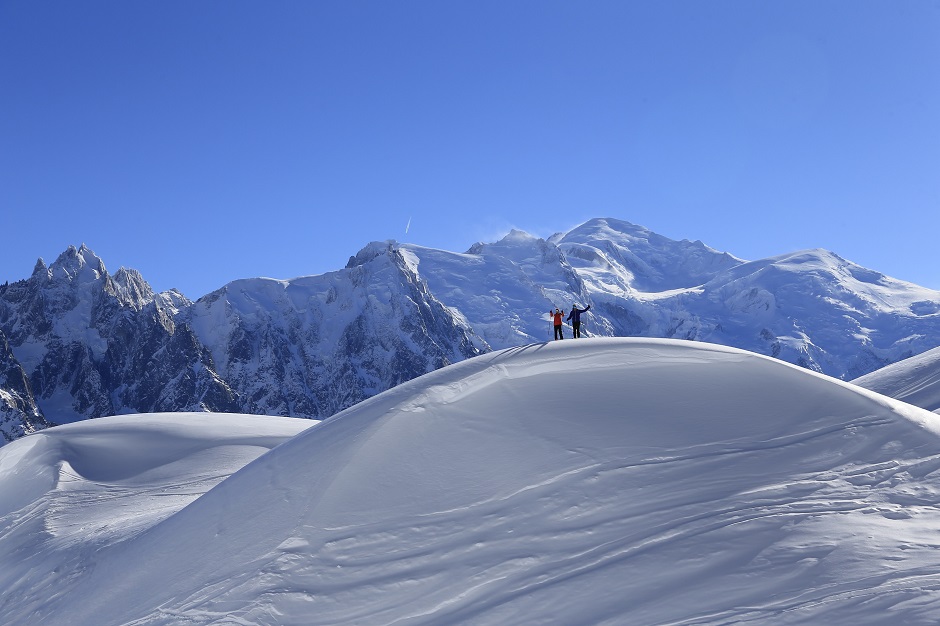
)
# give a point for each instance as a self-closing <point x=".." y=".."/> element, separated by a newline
<point x="575" y="318"/>
<point x="557" y="317"/>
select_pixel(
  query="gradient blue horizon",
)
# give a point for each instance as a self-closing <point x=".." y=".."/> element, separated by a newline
<point x="204" y="142"/>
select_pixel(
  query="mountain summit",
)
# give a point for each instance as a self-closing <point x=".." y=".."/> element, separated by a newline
<point x="618" y="252"/>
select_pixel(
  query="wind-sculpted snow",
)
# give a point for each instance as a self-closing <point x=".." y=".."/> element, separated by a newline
<point x="605" y="481"/>
<point x="68" y="492"/>
<point x="915" y="380"/>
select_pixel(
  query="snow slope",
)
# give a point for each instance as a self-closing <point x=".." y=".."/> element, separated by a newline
<point x="915" y="380"/>
<point x="602" y="481"/>
<point x="503" y="290"/>
<point x="71" y="491"/>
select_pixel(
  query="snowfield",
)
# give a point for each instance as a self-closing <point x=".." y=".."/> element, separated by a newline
<point x="599" y="481"/>
<point x="915" y="380"/>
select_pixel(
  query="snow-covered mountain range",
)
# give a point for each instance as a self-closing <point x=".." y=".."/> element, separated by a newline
<point x="92" y="344"/>
<point x="604" y="481"/>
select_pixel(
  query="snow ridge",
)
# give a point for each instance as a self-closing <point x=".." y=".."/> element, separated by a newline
<point x="629" y="481"/>
<point x="915" y="380"/>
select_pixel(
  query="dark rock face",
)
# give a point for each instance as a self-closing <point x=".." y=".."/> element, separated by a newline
<point x="19" y="414"/>
<point x="94" y="345"/>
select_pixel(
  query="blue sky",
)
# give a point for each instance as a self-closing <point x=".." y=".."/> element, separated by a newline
<point x="201" y="142"/>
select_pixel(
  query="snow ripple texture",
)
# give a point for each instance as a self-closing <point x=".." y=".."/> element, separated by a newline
<point x="603" y="481"/>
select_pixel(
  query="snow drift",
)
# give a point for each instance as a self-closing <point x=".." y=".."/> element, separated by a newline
<point x="915" y="380"/>
<point x="602" y="481"/>
<point x="69" y="492"/>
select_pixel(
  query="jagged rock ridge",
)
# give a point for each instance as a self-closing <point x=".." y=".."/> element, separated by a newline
<point x="19" y="414"/>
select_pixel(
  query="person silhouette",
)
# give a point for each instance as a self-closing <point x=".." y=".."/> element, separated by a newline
<point x="557" y="316"/>
<point x="575" y="318"/>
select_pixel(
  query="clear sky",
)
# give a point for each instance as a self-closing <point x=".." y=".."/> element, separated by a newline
<point x="201" y="142"/>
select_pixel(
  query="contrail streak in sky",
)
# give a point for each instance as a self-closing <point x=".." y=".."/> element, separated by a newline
<point x="408" y="225"/>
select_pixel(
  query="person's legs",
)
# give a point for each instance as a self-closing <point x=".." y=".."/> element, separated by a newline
<point x="576" y="329"/>
<point x="558" y="334"/>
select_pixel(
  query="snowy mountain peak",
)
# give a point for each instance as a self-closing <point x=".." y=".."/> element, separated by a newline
<point x="608" y="227"/>
<point x="130" y="287"/>
<point x="810" y="258"/>
<point x="622" y="258"/>
<point x="627" y="234"/>
<point x="517" y="236"/>
<point x="78" y="264"/>
<point x="820" y="266"/>
<point x="40" y="268"/>
<point x="92" y="344"/>
<point x="79" y="268"/>
<point x="371" y="251"/>
<point x="516" y="245"/>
